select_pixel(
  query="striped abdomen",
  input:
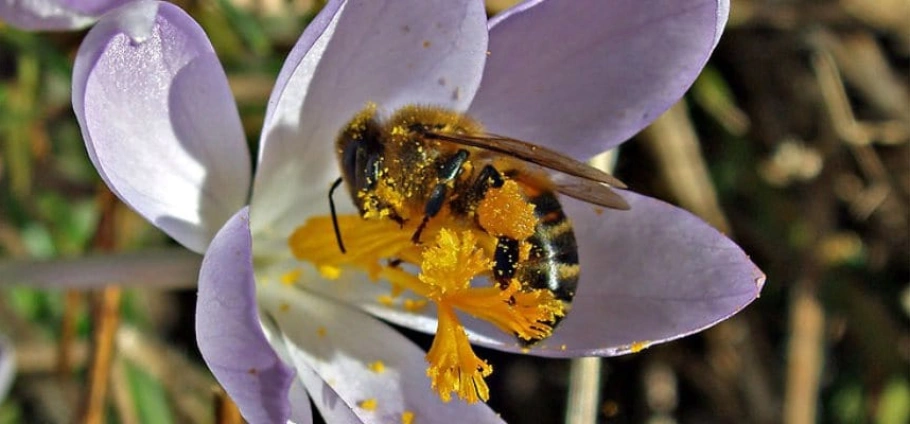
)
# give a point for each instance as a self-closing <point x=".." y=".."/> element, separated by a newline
<point x="553" y="260"/>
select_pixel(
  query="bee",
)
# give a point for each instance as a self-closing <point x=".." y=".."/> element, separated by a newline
<point x="422" y="161"/>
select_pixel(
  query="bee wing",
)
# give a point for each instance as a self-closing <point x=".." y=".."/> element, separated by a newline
<point x="590" y="191"/>
<point x="537" y="155"/>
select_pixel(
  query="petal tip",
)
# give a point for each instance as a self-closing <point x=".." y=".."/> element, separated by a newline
<point x="138" y="19"/>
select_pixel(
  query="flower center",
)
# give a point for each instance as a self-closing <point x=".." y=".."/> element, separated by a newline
<point x="452" y="224"/>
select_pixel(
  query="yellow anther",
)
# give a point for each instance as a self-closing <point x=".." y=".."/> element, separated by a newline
<point x="450" y="266"/>
<point x="453" y="365"/>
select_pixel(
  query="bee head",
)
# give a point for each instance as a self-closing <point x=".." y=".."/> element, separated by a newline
<point x="360" y="151"/>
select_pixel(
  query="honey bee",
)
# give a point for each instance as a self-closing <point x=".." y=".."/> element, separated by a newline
<point x="422" y="161"/>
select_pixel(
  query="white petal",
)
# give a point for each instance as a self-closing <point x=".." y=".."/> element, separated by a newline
<point x="390" y="52"/>
<point x="159" y="120"/>
<point x="337" y="343"/>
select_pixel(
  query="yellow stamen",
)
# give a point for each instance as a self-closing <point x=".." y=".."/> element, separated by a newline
<point x="453" y="365"/>
<point x="450" y="266"/>
<point x="449" y="259"/>
<point x="527" y="314"/>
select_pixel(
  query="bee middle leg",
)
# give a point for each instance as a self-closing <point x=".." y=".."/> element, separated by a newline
<point x="448" y="171"/>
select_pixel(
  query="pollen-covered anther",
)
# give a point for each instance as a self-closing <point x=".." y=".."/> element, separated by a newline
<point x="528" y="313"/>
<point x="449" y="266"/>
<point x="453" y="365"/>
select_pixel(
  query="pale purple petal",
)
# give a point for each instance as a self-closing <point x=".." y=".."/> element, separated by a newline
<point x="54" y="14"/>
<point x="228" y="330"/>
<point x="332" y="346"/>
<point x="94" y="7"/>
<point x="7" y="366"/>
<point x="390" y="52"/>
<point x="585" y="75"/>
<point x="159" y="120"/>
<point x="156" y="268"/>
<point x="648" y="275"/>
<point x="301" y="411"/>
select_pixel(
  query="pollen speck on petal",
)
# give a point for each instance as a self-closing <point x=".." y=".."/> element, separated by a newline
<point x="368" y="404"/>
<point x="291" y="277"/>
<point x="639" y="346"/>
<point x="377" y="366"/>
<point x="407" y="417"/>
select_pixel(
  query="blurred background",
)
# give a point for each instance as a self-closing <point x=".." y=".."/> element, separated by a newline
<point x="794" y="141"/>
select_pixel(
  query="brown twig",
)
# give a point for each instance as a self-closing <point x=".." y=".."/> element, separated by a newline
<point x="226" y="411"/>
<point x="71" y="306"/>
<point x="674" y="144"/>
<point x="106" y="318"/>
<point x="804" y="356"/>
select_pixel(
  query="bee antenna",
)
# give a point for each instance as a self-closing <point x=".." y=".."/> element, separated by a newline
<point x="334" y="215"/>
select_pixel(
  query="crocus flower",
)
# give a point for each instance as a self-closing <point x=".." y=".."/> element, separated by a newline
<point x="577" y="76"/>
<point x="54" y="14"/>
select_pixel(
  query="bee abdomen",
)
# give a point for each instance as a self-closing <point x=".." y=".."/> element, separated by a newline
<point x="553" y="260"/>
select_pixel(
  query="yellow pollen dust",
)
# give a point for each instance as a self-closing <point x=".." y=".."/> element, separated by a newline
<point x="330" y="272"/>
<point x="377" y="366"/>
<point x="504" y="211"/>
<point x="407" y="417"/>
<point x="368" y="404"/>
<point x="291" y="277"/>
<point x="639" y="346"/>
